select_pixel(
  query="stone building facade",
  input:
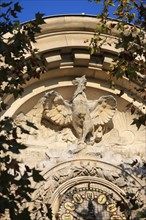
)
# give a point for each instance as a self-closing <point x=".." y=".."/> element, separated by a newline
<point x="90" y="155"/>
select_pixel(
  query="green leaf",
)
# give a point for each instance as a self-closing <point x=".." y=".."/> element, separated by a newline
<point x="39" y="18"/>
<point x="92" y="50"/>
<point x="141" y="120"/>
<point x="3" y="106"/>
<point x="25" y="214"/>
<point x="4" y="5"/>
<point x="4" y="204"/>
<point x="16" y="25"/>
<point x="5" y="159"/>
<point x="13" y="13"/>
<point x="16" y="147"/>
<point x="7" y="124"/>
<point x="30" y="124"/>
<point x="13" y="165"/>
<point x="37" y="177"/>
<point x="23" y="130"/>
<point x="142" y="214"/>
<point x="17" y="7"/>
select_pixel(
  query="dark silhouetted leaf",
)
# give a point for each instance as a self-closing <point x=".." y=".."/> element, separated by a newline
<point x="30" y="124"/>
<point x="37" y="177"/>
<point x="39" y="18"/>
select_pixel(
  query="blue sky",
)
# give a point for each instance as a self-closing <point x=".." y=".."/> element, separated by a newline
<point x="56" y="7"/>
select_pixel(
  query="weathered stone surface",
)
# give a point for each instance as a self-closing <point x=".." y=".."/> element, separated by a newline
<point x="87" y="118"/>
<point x="79" y="127"/>
<point x="80" y="137"/>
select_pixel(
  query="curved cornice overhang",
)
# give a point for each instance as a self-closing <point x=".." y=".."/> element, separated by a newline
<point x="64" y="48"/>
<point x="71" y="31"/>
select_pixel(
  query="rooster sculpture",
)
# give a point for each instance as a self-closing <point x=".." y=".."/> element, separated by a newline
<point x="87" y="118"/>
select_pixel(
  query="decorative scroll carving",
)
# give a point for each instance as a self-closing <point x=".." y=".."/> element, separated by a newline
<point x="88" y="119"/>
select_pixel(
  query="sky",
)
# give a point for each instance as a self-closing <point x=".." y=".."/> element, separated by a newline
<point x="55" y="7"/>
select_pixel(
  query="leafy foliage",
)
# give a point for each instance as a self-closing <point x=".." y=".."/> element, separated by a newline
<point x="15" y="178"/>
<point x="19" y="62"/>
<point x="130" y="62"/>
<point x="16" y="45"/>
<point x="142" y="214"/>
<point x="131" y="44"/>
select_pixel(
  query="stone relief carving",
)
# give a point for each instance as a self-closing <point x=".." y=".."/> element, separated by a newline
<point x="134" y="191"/>
<point x="76" y="129"/>
<point x="88" y="119"/>
<point x="87" y="168"/>
<point x="79" y="128"/>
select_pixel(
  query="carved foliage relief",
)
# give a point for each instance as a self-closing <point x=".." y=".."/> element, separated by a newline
<point x="114" y="180"/>
<point x="73" y="134"/>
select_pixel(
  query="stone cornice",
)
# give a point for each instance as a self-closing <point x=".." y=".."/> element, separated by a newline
<point x="64" y="48"/>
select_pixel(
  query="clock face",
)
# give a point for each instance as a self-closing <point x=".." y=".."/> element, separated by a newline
<point x="88" y="202"/>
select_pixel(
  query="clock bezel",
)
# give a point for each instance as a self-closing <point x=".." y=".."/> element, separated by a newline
<point x="97" y="182"/>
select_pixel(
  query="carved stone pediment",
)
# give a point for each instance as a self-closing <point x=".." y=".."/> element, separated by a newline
<point x="79" y="127"/>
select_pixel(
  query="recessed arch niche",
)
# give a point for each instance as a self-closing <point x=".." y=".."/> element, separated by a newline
<point x="63" y="47"/>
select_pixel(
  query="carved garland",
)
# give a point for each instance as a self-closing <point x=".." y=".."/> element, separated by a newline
<point x="118" y="179"/>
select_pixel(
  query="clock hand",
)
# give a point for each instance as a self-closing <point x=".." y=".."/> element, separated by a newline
<point x="89" y="213"/>
<point x="83" y="213"/>
<point x="91" y="210"/>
